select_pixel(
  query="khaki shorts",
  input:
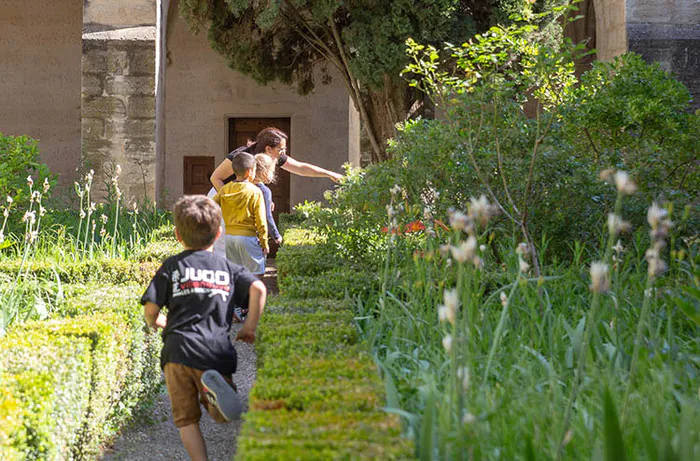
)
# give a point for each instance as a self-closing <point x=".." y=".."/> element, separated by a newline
<point x="186" y="393"/>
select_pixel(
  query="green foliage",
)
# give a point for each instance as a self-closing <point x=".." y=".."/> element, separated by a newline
<point x="635" y="116"/>
<point x="19" y="158"/>
<point x="334" y="284"/>
<point x="517" y="366"/>
<point x="47" y="376"/>
<point x="73" y="382"/>
<point x="282" y="41"/>
<point x="109" y="271"/>
<point x="282" y="434"/>
<point x="316" y="394"/>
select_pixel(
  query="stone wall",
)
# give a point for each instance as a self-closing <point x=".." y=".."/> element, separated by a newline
<point x="40" y="47"/>
<point x="117" y="14"/>
<point x="668" y="32"/>
<point x="201" y="92"/>
<point x="118" y="124"/>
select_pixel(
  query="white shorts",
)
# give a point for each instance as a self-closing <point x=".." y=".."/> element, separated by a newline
<point x="246" y="251"/>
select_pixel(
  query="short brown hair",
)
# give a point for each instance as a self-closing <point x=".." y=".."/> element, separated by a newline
<point x="265" y="171"/>
<point x="269" y="136"/>
<point x="197" y="220"/>
<point x="241" y="163"/>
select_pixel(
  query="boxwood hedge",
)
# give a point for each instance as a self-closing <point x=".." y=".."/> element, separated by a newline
<point x="318" y="394"/>
<point x="68" y="384"/>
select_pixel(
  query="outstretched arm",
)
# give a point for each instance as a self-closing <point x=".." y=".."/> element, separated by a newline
<point x="307" y="169"/>
<point x="256" y="304"/>
<point x="223" y="171"/>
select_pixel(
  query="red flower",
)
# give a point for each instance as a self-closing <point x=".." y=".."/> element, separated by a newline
<point x="415" y="226"/>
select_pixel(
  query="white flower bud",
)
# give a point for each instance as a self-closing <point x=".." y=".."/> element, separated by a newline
<point x="600" y="281"/>
<point x="447" y="343"/>
<point x="624" y="184"/>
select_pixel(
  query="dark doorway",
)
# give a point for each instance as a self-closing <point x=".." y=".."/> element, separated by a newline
<point x="198" y="169"/>
<point x="243" y="130"/>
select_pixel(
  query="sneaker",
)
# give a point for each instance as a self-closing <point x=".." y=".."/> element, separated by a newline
<point x="220" y="394"/>
<point x="239" y="314"/>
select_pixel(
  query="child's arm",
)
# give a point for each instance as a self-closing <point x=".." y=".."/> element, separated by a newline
<point x="272" y="227"/>
<point x="261" y="220"/>
<point x="256" y="304"/>
<point x="154" y="318"/>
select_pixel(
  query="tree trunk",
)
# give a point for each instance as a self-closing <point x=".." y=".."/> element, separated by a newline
<point x="384" y="108"/>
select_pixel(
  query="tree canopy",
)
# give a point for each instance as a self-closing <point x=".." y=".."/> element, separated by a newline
<point x="299" y="42"/>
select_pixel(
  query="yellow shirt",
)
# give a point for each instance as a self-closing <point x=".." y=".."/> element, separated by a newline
<point x="243" y="208"/>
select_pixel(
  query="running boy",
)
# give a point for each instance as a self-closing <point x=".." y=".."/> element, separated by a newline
<point x="243" y="207"/>
<point x="199" y="289"/>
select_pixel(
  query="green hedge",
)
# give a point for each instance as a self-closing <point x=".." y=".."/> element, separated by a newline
<point x="48" y="379"/>
<point x="335" y="284"/>
<point x="108" y="271"/>
<point x="318" y="394"/>
<point x="286" y="435"/>
<point x="103" y="355"/>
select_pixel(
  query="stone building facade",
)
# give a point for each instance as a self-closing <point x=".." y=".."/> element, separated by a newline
<point x="40" y="50"/>
<point x="118" y="14"/>
<point x="118" y="108"/>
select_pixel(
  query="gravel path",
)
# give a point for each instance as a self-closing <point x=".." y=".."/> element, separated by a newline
<point x="154" y="436"/>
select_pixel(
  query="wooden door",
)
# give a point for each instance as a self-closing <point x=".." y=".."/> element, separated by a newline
<point x="198" y="170"/>
<point x="244" y="130"/>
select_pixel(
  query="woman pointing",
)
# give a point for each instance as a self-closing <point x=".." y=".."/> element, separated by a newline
<point x="273" y="142"/>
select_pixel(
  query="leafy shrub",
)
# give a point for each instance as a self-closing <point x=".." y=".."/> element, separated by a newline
<point x="316" y="394"/>
<point x="281" y="434"/>
<point x="158" y="250"/>
<point x="334" y="284"/>
<point x="120" y="364"/>
<point x="48" y="378"/>
<point x="108" y="271"/>
<point x="284" y="305"/>
<point x="307" y="260"/>
<point x="626" y="115"/>
<point x="19" y="158"/>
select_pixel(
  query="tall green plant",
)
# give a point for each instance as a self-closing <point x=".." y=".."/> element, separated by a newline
<point x="483" y="96"/>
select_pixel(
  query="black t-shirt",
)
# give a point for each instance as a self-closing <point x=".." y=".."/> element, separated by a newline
<point x="199" y="289"/>
<point x="281" y="160"/>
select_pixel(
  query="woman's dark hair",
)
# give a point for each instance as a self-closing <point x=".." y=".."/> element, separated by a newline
<point x="270" y="136"/>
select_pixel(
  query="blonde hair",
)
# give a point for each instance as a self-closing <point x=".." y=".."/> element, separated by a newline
<point x="265" y="171"/>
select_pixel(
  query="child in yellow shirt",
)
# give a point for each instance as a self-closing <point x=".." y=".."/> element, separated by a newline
<point x="243" y="208"/>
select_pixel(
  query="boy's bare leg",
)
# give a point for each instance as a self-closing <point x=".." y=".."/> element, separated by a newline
<point x="194" y="442"/>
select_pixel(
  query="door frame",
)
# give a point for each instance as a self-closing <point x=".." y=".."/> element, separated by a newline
<point x="230" y="115"/>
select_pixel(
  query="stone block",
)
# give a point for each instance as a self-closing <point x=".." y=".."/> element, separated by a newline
<point x="92" y="146"/>
<point x="140" y="128"/>
<point x="117" y="61"/>
<point x="142" y="106"/>
<point x="128" y="85"/>
<point x="93" y="128"/>
<point x="141" y="148"/>
<point x="94" y="60"/>
<point x="115" y="129"/>
<point x="103" y="107"/>
<point x="92" y="85"/>
<point x="143" y="60"/>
